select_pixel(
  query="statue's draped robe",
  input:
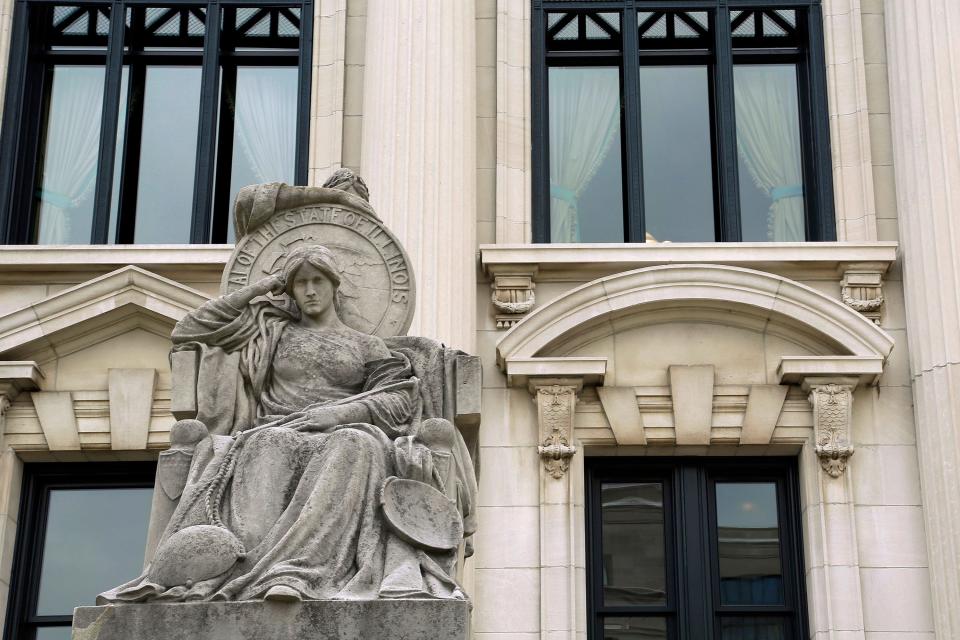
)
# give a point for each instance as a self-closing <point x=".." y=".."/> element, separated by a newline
<point x="303" y="501"/>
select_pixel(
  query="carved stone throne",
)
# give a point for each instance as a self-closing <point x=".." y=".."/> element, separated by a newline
<point x="429" y="514"/>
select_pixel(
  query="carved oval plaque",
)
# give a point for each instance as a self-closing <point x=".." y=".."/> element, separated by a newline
<point x="420" y="514"/>
<point x="377" y="290"/>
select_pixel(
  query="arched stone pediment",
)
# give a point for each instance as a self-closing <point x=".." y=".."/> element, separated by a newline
<point x="735" y="297"/>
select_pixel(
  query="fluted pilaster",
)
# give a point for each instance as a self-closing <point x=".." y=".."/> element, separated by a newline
<point x="419" y="151"/>
<point x="923" y="59"/>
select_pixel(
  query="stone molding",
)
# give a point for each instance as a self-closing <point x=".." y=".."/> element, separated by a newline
<point x="754" y="294"/>
<point x="327" y="106"/>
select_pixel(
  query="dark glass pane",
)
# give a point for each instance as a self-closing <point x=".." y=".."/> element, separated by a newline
<point x="770" y="159"/>
<point x="634" y="629"/>
<point x="677" y="154"/>
<point x="752" y="628"/>
<point x="586" y="181"/>
<point x="749" y="544"/>
<point x="118" y="156"/>
<point x="265" y="128"/>
<point x="634" y="569"/>
<point x="94" y="540"/>
<point x="53" y="633"/>
<point x="168" y="155"/>
<point x="68" y="161"/>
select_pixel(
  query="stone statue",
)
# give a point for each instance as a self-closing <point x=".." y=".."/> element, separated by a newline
<point x="320" y="464"/>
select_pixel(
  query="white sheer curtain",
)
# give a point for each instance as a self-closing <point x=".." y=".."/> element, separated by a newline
<point x="70" y="155"/>
<point x="584" y="121"/>
<point x="266" y="121"/>
<point x="768" y="140"/>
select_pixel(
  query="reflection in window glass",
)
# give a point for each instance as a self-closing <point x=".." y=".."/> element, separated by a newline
<point x="53" y="633"/>
<point x="68" y="164"/>
<point x="168" y="155"/>
<point x="770" y="159"/>
<point x="94" y="540"/>
<point x="265" y="129"/>
<point x="752" y="628"/>
<point x="586" y="179"/>
<point x="677" y="152"/>
<point x="118" y="155"/>
<point x="749" y="544"/>
<point x="634" y="628"/>
<point x="634" y="569"/>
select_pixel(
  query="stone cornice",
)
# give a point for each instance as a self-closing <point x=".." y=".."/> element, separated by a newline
<point x="86" y="257"/>
<point x="586" y="261"/>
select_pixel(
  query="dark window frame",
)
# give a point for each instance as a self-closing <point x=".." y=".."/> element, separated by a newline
<point x="29" y="65"/>
<point x="38" y="480"/>
<point x="689" y="519"/>
<point x="812" y="94"/>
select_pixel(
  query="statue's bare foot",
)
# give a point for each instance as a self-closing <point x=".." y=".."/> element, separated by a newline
<point x="280" y="593"/>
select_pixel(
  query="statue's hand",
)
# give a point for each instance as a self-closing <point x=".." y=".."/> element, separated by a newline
<point x="320" y="419"/>
<point x="273" y="283"/>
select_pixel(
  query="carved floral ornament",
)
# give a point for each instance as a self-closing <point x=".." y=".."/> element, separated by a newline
<point x="832" y="410"/>
<point x="555" y="409"/>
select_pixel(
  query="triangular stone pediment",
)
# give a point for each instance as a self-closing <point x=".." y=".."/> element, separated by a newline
<point x="93" y="311"/>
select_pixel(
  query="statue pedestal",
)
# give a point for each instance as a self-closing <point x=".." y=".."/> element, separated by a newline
<point x="256" y="620"/>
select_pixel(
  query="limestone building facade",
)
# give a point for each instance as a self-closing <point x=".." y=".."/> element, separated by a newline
<point x="705" y="249"/>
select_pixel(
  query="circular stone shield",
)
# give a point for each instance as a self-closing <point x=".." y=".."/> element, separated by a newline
<point x="420" y="514"/>
<point x="377" y="290"/>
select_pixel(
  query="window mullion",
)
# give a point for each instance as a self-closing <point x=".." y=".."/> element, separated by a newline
<point x="634" y="224"/>
<point x="821" y="226"/>
<point x="108" y="128"/>
<point x="302" y="165"/>
<point x="207" y="131"/>
<point x="728" y="181"/>
<point x="692" y="554"/>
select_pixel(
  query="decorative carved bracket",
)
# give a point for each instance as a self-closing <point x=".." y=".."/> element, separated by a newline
<point x="556" y="400"/>
<point x="861" y="288"/>
<point x="832" y="401"/>
<point x="513" y="295"/>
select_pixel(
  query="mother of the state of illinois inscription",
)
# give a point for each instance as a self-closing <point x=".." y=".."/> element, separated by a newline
<point x="376" y="294"/>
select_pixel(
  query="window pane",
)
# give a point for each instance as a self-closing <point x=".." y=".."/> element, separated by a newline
<point x="677" y="154"/>
<point x="53" y="633"/>
<point x="770" y="160"/>
<point x="752" y="628"/>
<point x="586" y="180"/>
<point x="749" y="544"/>
<point x="634" y="569"/>
<point x="634" y="629"/>
<point x="265" y="129"/>
<point x="68" y="164"/>
<point x="94" y="540"/>
<point x="168" y="155"/>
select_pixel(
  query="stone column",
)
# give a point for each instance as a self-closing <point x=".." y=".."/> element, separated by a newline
<point x="418" y="151"/>
<point x="562" y="557"/>
<point x="923" y="59"/>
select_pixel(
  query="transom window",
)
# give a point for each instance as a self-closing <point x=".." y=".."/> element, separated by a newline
<point x="680" y="120"/>
<point x="694" y="549"/>
<point x="82" y="529"/>
<point x="132" y="121"/>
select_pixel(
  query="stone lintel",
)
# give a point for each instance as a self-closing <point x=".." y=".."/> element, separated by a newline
<point x="257" y="620"/>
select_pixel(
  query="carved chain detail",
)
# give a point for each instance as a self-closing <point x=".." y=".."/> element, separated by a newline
<point x="831" y="420"/>
<point x="555" y="404"/>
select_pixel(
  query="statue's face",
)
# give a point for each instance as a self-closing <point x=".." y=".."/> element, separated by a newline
<point x="312" y="290"/>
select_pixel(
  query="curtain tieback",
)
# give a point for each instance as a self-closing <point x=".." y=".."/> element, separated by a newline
<point x="562" y="193"/>
<point x="59" y="200"/>
<point x="791" y="191"/>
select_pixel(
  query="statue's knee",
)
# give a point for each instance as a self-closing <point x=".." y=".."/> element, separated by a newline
<point x="438" y="434"/>
<point x="187" y="433"/>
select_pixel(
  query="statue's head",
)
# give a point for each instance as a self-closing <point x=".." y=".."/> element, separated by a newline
<point x="312" y="278"/>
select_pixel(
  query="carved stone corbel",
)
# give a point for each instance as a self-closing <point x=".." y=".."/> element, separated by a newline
<point x="556" y="400"/>
<point x="832" y="402"/>
<point x="513" y="293"/>
<point x="861" y="288"/>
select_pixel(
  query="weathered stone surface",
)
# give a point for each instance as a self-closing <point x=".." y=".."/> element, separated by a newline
<point x="308" y="620"/>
